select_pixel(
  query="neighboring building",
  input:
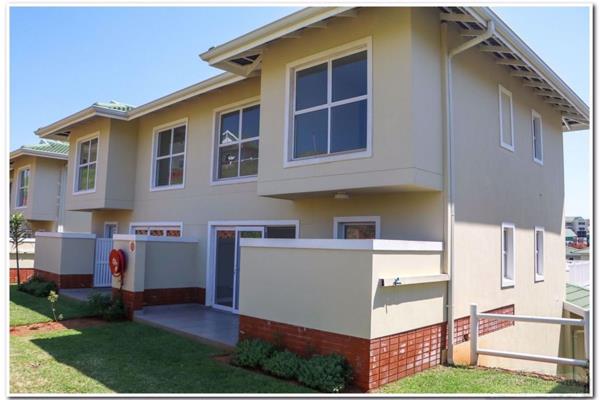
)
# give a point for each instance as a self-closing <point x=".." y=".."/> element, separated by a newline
<point x="37" y="189"/>
<point x="331" y="124"/>
<point x="570" y="236"/>
<point x="577" y="304"/>
<point x="575" y="254"/>
<point x="579" y="225"/>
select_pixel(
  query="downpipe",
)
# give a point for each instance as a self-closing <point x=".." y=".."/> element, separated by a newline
<point x="449" y="210"/>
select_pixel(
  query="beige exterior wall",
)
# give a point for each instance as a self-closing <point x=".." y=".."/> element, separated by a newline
<point x="154" y="264"/>
<point x="495" y="185"/>
<point x="406" y="140"/>
<point x="64" y="255"/>
<point x="44" y="205"/>
<point x="338" y="290"/>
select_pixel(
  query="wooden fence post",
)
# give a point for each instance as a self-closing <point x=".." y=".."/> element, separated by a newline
<point x="474" y="328"/>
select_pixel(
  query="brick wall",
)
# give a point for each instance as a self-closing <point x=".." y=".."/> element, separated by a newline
<point x="66" y="281"/>
<point x="24" y="273"/>
<point x="375" y="362"/>
<point x="152" y="297"/>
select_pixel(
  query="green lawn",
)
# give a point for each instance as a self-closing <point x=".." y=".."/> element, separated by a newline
<point x="27" y="309"/>
<point x="127" y="357"/>
<point x="476" y="380"/>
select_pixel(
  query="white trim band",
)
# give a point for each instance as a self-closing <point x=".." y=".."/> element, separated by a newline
<point x="144" y="238"/>
<point x="346" y="244"/>
<point x="66" y="235"/>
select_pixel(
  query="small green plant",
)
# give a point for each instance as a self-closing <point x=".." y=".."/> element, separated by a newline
<point x="53" y="299"/>
<point x="104" y="306"/>
<point x="252" y="353"/>
<point x="38" y="287"/>
<point x="328" y="373"/>
<point x="283" y="364"/>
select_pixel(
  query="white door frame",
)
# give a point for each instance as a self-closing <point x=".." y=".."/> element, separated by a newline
<point x="106" y="223"/>
<point x="211" y="249"/>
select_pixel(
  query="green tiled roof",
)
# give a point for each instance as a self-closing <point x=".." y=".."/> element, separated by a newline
<point x="114" y="105"/>
<point x="49" y="146"/>
<point x="569" y="233"/>
<point x="578" y="296"/>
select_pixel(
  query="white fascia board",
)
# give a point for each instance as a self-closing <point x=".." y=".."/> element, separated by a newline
<point x="34" y="153"/>
<point x="80" y="116"/>
<point x="66" y="235"/>
<point x="269" y="32"/>
<point x="572" y="308"/>
<point x="513" y="41"/>
<point x="346" y="244"/>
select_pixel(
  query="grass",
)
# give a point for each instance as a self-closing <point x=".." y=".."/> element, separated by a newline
<point x="127" y="357"/>
<point x="27" y="309"/>
<point x="477" y="380"/>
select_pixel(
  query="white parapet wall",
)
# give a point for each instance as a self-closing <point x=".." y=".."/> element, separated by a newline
<point x="335" y="285"/>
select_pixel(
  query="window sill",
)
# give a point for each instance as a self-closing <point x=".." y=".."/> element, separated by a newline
<point x="163" y="188"/>
<point x="327" y="158"/>
<point x="21" y="207"/>
<point x="507" y="284"/>
<point x="541" y="162"/>
<point x="231" y="181"/>
<point x="538" y="278"/>
<point x="84" y="192"/>
<point x="507" y="147"/>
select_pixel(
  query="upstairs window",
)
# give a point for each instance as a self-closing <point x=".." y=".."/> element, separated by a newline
<point x="539" y="254"/>
<point x="330" y="105"/>
<point x="157" y="229"/>
<point x="508" y="255"/>
<point x="537" y="135"/>
<point x="356" y="227"/>
<point x="168" y="164"/>
<point x="507" y="136"/>
<point x="87" y="155"/>
<point x="237" y="145"/>
<point x="23" y="187"/>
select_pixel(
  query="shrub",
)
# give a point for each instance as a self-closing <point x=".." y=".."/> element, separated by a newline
<point x="252" y="353"/>
<point x="38" y="287"/>
<point x="327" y="373"/>
<point x="283" y="364"/>
<point x="107" y="308"/>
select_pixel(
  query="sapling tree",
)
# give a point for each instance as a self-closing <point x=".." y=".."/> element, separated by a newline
<point x="18" y="232"/>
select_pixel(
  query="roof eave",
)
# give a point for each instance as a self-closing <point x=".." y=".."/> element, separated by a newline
<point x="528" y="55"/>
<point x="272" y="31"/>
<point x="80" y="116"/>
<point x="35" y="153"/>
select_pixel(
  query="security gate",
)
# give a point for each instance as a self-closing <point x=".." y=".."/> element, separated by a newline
<point x="102" y="276"/>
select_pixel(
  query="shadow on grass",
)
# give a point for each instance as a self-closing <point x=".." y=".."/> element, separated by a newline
<point x="132" y="358"/>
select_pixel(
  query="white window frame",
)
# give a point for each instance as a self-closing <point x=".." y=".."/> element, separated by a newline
<point x="115" y="223"/>
<point x="534" y="115"/>
<point x="19" y="187"/>
<point x="337" y="221"/>
<point x="78" y="143"/>
<point x="505" y="281"/>
<point x="155" y="224"/>
<point x="538" y="277"/>
<point x="326" y="57"/>
<point x="214" y="168"/>
<point x="502" y="90"/>
<point x="155" y="131"/>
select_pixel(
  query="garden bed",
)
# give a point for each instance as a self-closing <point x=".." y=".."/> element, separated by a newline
<point x="42" y="327"/>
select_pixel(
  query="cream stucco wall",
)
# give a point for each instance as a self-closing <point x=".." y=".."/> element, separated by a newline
<point x="339" y="290"/>
<point x="64" y="255"/>
<point x="405" y="116"/>
<point x="495" y="185"/>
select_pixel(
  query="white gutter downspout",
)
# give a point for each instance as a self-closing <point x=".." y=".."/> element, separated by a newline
<point x="447" y="57"/>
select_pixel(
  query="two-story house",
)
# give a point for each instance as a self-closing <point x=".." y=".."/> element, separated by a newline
<point x="432" y="137"/>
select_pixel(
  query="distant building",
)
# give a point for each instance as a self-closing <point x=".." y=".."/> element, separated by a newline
<point x="579" y="225"/>
<point x="575" y="254"/>
<point x="570" y="236"/>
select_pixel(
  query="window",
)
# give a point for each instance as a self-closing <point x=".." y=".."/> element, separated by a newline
<point x="280" y="232"/>
<point x="168" y="164"/>
<point x="23" y="187"/>
<point x="87" y="155"/>
<point x="356" y="228"/>
<point x="156" y="229"/>
<point x="539" y="253"/>
<point x="508" y="255"/>
<point x="330" y="106"/>
<point x="506" y="119"/>
<point x="537" y="134"/>
<point x="237" y="144"/>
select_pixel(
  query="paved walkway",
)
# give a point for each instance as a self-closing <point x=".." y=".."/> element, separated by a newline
<point x="83" y="294"/>
<point x="198" y="322"/>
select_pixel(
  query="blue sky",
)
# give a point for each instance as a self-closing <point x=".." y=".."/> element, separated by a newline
<point x="64" y="59"/>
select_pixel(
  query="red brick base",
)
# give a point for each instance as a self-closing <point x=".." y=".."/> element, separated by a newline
<point x="24" y="274"/>
<point x="152" y="297"/>
<point x="74" y="281"/>
<point x="463" y="325"/>
<point x="375" y="362"/>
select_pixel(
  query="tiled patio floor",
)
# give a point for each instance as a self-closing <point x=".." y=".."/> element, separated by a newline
<point x="195" y="321"/>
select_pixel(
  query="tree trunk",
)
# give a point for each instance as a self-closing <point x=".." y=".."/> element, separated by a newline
<point x="17" y="257"/>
